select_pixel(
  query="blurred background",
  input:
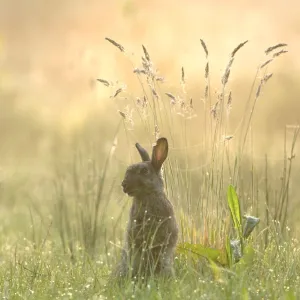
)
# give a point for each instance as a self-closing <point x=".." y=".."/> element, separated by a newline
<point x="52" y="52"/>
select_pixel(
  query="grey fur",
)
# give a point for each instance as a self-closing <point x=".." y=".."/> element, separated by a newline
<point x="152" y="230"/>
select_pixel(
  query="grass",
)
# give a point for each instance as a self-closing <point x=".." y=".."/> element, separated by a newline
<point x="61" y="233"/>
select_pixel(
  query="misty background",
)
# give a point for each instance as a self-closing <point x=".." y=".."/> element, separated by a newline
<point x="51" y="54"/>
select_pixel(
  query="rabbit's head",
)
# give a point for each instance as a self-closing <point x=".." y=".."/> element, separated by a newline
<point x="145" y="177"/>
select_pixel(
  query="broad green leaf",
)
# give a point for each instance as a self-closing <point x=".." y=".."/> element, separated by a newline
<point x="199" y="250"/>
<point x="235" y="210"/>
<point x="215" y="270"/>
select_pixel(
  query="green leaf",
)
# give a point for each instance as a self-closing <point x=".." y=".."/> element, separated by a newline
<point x="215" y="270"/>
<point x="235" y="210"/>
<point x="229" y="252"/>
<point x="199" y="250"/>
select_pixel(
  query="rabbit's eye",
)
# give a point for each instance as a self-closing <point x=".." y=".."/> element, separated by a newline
<point x="144" y="171"/>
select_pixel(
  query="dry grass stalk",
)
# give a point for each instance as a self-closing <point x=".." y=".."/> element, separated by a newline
<point x="142" y="105"/>
<point x="127" y="115"/>
<point x="182" y="76"/>
<point x="105" y="82"/>
<point x="118" y="91"/>
<point x="206" y="92"/>
<point x="204" y="47"/>
<point x="172" y="97"/>
<point x="238" y="48"/>
<point x="182" y="82"/>
<point x="139" y="71"/>
<point x="148" y="67"/>
<point x="191" y="103"/>
<point x="123" y="115"/>
<point x="276" y="54"/>
<point x="266" y="63"/>
<point x="160" y="79"/>
<point x="229" y="103"/>
<point x="227" y="71"/>
<point x="228" y="137"/>
<point x="119" y="46"/>
<point x="214" y="110"/>
<point x="270" y="49"/>
<point x="147" y="56"/>
<point x="259" y="89"/>
<point x="225" y="76"/>
<point x="267" y="77"/>
<point x="206" y="70"/>
<point x="262" y="82"/>
<point x="154" y="92"/>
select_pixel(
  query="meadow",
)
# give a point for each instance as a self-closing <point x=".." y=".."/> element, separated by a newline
<point x="63" y="212"/>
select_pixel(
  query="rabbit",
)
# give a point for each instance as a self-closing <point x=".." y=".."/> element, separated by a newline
<point x="152" y="230"/>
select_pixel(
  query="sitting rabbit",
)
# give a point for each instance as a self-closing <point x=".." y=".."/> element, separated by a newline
<point x="152" y="230"/>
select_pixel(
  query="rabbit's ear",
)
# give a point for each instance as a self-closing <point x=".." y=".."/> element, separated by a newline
<point x="160" y="153"/>
<point x="143" y="153"/>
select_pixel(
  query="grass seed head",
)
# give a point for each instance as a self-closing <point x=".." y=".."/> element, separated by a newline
<point x="270" y="49"/>
<point x="276" y="54"/>
<point x="105" y="82"/>
<point x="118" y="91"/>
<point x="266" y="63"/>
<point x="229" y="103"/>
<point x="147" y="56"/>
<point x="160" y="79"/>
<point x="182" y="75"/>
<point x="154" y="92"/>
<point x="206" y="70"/>
<point x="214" y="110"/>
<point x="204" y="47"/>
<point x="172" y="97"/>
<point x="206" y="92"/>
<point x="139" y="71"/>
<point x="267" y="77"/>
<point x="227" y="71"/>
<point x="119" y="46"/>
<point x="235" y="50"/>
